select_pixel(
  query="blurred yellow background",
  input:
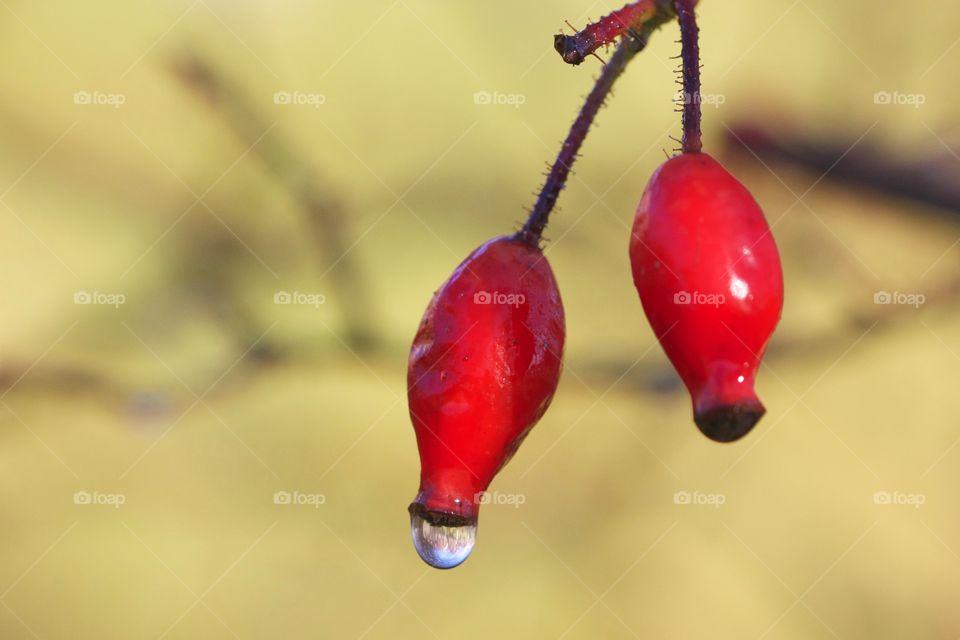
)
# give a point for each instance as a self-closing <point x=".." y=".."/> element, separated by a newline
<point x="171" y="169"/>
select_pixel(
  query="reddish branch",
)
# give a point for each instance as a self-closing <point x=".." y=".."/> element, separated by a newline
<point x="629" y="20"/>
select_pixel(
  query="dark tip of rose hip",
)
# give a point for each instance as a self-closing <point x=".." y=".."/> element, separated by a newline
<point x="439" y="518"/>
<point x="729" y="423"/>
<point x="560" y="43"/>
<point x="566" y="46"/>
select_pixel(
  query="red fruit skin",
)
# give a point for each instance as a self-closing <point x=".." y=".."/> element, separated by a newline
<point x="482" y="372"/>
<point x="699" y="232"/>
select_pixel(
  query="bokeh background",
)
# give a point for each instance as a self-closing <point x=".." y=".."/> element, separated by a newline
<point x="172" y="172"/>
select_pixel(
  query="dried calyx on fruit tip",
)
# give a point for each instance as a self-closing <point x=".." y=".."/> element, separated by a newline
<point x="483" y="369"/>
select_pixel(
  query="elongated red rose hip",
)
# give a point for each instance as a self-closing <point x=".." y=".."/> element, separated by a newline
<point x="486" y="360"/>
<point x="708" y="274"/>
<point x="483" y="368"/>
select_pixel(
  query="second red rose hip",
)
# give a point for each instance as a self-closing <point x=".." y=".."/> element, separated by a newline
<point x="708" y="273"/>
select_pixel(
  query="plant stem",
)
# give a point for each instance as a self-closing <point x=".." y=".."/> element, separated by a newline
<point x="557" y="178"/>
<point x="635" y="22"/>
<point x="689" y="38"/>
<point x="574" y="49"/>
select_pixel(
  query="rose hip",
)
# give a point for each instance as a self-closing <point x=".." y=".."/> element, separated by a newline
<point x="483" y="368"/>
<point x="708" y="274"/>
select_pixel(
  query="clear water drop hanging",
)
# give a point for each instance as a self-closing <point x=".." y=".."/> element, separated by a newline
<point x="442" y="545"/>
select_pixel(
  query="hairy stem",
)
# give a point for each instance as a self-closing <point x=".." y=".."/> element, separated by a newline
<point x="557" y="178"/>
<point x="636" y="22"/>
<point x="630" y="19"/>
<point x="689" y="38"/>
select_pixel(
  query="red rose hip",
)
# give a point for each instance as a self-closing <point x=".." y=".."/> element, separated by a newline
<point x="708" y="273"/>
<point x="483" y="368"/>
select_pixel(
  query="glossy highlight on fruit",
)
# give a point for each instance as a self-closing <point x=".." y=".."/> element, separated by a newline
<point x="483" y="369"/>
<point x="708" y="273"/>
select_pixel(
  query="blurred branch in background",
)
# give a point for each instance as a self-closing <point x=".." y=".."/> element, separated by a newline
<point x="324" y="212"/>
<point x="934" y="180"/>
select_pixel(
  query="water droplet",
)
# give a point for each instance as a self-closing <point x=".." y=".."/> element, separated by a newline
<point x="442" y="546"/>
